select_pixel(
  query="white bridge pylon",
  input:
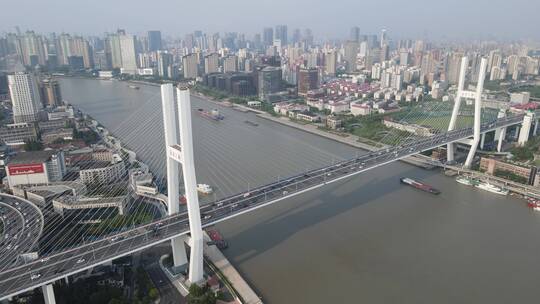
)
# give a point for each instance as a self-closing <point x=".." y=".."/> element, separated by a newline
<point x="182" y="153"/>
<point x="477" y="96"/>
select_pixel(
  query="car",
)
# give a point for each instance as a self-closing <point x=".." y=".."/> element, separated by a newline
<point x="81" y="260"/>
<point x="234" y="206"/>
<point x="247" y="194"/>
<point x="43" y="260"/>
<point x="219" y="204"/>
<point x="207" y="217"/>
<point x="35" y="276"/>
<point x="285" y="192"/>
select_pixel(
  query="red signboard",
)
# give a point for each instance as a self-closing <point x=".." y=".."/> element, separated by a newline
<point x="25" y="169"/>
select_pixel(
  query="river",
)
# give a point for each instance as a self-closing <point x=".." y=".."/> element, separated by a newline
<point x="365" y="240"/>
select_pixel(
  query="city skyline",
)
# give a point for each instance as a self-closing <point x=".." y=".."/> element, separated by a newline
<point x="417" y="19"/>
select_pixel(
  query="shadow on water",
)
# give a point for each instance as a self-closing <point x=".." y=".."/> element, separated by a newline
<point x="281" y="226"/>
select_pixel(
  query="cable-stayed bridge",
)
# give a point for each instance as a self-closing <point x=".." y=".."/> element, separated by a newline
<point x="62" y="262"/>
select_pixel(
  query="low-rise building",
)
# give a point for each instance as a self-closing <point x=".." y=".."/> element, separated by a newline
<point x="339" y="107"/>
<point x="51" y="136"/>
<point x="36" y="167"/>
<point x="360" y="109"/>
<point x="411" y="128"/>
<point x="17" y="134"/>
<point x="101" y="172"/>
<point x="334" y="122"/>
<point x="308" y="116"/>
<point x="86" y="210"/>
<point x="491" y="165"/>
<point x="520" y="98"/>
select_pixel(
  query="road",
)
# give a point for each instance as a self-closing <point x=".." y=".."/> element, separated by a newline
<point x="19" y="279"/>
<point x="23" y="225"/>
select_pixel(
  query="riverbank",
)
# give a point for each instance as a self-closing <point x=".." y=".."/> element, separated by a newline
<point x="348" y="139"/>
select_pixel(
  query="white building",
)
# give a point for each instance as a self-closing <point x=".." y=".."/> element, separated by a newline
<point x="360" y="109"/>
<point x="102" y="173"/>
<point x="25" y="97"/>
<point x="129" y="54"/>
<point x="520" y="98"/>
<point x="39" y="167"/>
<point x="338" y="107"/>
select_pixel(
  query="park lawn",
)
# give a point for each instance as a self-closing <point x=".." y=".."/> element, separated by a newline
<point x="441" y="123"/>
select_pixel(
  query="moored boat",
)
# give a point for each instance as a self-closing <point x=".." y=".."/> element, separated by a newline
<point x="492" y="188"/>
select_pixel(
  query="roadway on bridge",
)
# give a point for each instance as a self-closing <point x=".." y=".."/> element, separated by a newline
<point x="23" y="224"/>
<point x="56" y="266"/>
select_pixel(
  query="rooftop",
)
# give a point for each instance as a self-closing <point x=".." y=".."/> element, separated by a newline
<point x="31" y="157"/>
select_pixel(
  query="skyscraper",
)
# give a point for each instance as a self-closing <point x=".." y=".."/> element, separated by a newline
<point x="190" y="66"/>
<point x="308" y="79"/>
<point x="211" y="63"/>
<point x="230" y="64"/>
<point x="350" y="54"/>
<point x="269" y="81"/>
<point x="268" y="36"/>
<point x="113" y="50"/>
<point x="330" y="59"/>
<point x="355" y="34"/>
<point x="129" y="54"/>
<point x="383" y="38"/>
<point x="25" y="97"/>
<point x="281" y="34"/>
<point x="165" y="62"/>
<point x="50" y="93"/>
<point x="154" y="41"/>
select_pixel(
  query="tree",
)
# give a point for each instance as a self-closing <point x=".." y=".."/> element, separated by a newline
<point x="153" y="293"/>
<point x="33" y="145"/>
<point x="201" y="295"/>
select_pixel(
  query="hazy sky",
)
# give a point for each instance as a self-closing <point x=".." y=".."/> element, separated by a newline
<point x="327" y="18"/>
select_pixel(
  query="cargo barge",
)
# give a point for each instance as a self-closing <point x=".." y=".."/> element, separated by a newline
<point x="418" y="185"/>
<point x="213" y="115"/>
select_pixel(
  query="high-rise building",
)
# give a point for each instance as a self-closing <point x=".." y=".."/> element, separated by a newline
<point x="50" y="93"/>
<point x="114" y="50"/>
<point x="154" y="41"/>
<point x="25" y="97"/>
<point x="383" y="38"/>
<point x="165" y="63"/>
<point x="268" y="36"/>
<point x="269" y="81"/>
<point x="31" y="49"/>
<point x="308" y="79"/>
<point x="404" y="57"/>
<point x="355" y="34"/>
<point x="281" y="34"/>
<point x="63" y="49"/>
<point x="453" y="67"/>
<point x="385" y="53"/>
<point x="350" y="54"/>
<point x="330" y="60"/>
<point x="81" y="48"/>
<point x="230" y="64"/>
<point x="190" y="65"/>
<point x="297" y="36"/>
<point x="211" y="63"/>
<point x="129" y="54"/>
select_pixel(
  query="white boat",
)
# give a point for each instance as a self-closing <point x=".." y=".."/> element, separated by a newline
<point x="468" y="181"/>
<point x="492" y="188"/>
<point x="204" y="189"/>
